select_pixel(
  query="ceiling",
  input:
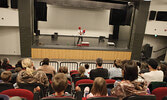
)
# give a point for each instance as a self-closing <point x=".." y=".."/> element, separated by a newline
<point x="90" y="4"/>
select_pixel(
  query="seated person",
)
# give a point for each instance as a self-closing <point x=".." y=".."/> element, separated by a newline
<point x="129" y="86"/>
<point x="99" y="88"/>
<point x="99" y="71"/>
<point x="87" y="70"/>
<point x="116" y="70"/>
<point x="29" y="75"/>
<point x="82" y="71"/>
<point x="64" y="69"/>
<point x="6" y="65"/>
<point x="163" y="67"/>
<point x="6" y="76"/>
<point x="46" y="67"/>
<point x="154" y="74"/>
<point x="59" y="84"/>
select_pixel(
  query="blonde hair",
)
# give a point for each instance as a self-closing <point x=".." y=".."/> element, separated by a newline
<point x="81" y="71"/>
<point x="27" y="63"/>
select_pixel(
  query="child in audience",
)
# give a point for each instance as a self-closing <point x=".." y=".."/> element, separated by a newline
<point x="99" y="88"/>
<point x="82" y="71"/>
<point x="87" y="70"/>
<point x="59" y="84"/>
<point x="6" y="76"/>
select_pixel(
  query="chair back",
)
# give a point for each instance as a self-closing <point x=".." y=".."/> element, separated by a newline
<point x="72" y="71"/>
<point x="4" y="97"/>
<point x="110" y="83"/>
<point x="58" y="98"/>
<point x="141" y="97"/>
<point x="79" y="78"/>
<point x="19" y="92"/>
<point x="74" y="75"/>
<point x="31" y="86"/>
<point x="103" y="98"/>
<point x="5" y="86"/>
<point x="84" y="83"/>
<point x="160" y="92"/>
<point x="69" y="87"/>
<point x="154" y="85"/>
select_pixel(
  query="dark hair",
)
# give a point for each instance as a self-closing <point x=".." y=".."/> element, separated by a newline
<point x="130" y="71"/>
<point x="99" y="61"/>
<point x="164" y="69"/>
<point x="99" y="86"/>
<point x="59" y="82"/>
<point x="152" y="63"/>
<point x="86" y="66"/>
<point x="19" y="64"/>
<point x="5" y="60"/>
<point x="118" y="63"/>
<point x="45" y="61"/>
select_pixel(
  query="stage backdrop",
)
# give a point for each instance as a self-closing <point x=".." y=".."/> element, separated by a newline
<point x="66" y="21"/>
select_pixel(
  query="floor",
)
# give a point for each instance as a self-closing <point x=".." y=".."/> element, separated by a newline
<point x="71" y="42"/>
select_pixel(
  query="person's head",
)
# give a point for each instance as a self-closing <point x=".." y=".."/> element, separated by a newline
<point x="5" y="61"/>
<point x="163" y="67"/>
<point x="99" y="62"/>
<point x="59" y="82"/>
<point x="65" y="70"/>
<point x="99" y="87"/>
<point x="27" y="63"/>
<point x="81" y="71"/>
<point x="19" y="63"/>
<point x="45" y="61"/>
<point x="118" y="63"/>
<point x="130" y="71"/>
<point x="6" y="76"/>
<point x="86" y="66"/>
<point x="152" y="64"/>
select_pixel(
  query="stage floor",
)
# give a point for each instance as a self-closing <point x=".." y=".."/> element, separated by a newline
<point x="70" y="42"/>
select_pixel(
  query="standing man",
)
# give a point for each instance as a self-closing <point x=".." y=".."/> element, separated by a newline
<point x="80" y="35"/>
<point x="99" y="71"/>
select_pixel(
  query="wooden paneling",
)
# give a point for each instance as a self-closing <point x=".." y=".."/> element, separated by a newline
<point x="79" y="54"/>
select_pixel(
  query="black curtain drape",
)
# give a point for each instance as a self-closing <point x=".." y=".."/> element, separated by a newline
<point x="4" y="3"/>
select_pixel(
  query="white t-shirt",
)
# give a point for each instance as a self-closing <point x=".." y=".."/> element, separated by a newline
<point x="80" y="32"/>
<point x="153" y="76"/>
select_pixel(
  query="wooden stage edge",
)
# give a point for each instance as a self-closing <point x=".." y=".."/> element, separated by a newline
<point x="79" y="54"/>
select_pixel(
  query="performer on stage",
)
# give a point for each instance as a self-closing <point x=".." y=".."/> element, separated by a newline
<point x="81" y="33"/>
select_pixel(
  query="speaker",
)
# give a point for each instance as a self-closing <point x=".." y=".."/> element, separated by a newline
<point x="121" y="16"/>
<point x="14" y="4"/>
<point x="110" y="38"/>
<point x="41" y="11"/>
<point x="152" y="15"/>
<point x="4" y="3"/>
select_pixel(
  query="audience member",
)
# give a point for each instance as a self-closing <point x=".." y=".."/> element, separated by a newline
<point x="154" y="74"/>
<point x="116" y="70"/>
<point x="163" y="67"/>
<point x="129" y="86"/>
<point x="64" y="69"/>
<point x="29" y="75"/>
<point x="99" y="71"/>
<point x="144" y="68"/>
<point x="6" y="76"/>
<point x="46" y="67"/>
<point x="99" y="88"/>
<point x="82" y="71"/>
<point x="19" y="64"/>
<point x="87" y="70"/>
<point x="59" y="84"/>
<point x="0" y="64"/>
<point x="6" y="65"/>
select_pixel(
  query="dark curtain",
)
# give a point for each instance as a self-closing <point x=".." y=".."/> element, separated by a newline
<point x="41" y="11"/>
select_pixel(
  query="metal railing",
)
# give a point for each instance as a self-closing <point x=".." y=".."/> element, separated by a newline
<point x="70" y="65"/>
<point x="55" y="64"/>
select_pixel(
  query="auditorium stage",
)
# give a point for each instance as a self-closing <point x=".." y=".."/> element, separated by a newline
<point x="65" y="47"/>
